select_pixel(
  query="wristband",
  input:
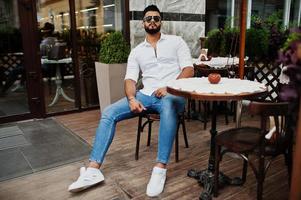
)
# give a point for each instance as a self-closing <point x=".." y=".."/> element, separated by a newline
<point x="131" y="98"/>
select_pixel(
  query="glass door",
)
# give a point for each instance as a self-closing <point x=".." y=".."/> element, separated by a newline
<point x="58" y="67"/>
<point x="13" y="89"/>
<point x="94" y="20"/>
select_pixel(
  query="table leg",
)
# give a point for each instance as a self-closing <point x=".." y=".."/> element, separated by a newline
<point x="238" y="113"/>
<point x="59" y="90"/>
<point x="206" y="177"/>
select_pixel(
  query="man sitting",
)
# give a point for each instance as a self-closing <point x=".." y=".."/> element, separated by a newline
<point x="161" y="58"/>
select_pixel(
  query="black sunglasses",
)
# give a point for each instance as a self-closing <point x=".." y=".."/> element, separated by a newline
<point x="148" y="19"/>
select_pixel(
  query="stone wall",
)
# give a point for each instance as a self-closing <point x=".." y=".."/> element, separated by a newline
<point x="180" y="17"/>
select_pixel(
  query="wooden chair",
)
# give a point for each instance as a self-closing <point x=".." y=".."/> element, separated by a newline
<point x="252" y="140"/>
<point x="150" y="118"/>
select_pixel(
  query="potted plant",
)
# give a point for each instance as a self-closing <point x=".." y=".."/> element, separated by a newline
<point x="257" y="41"/>
<point x="111" y="68"/>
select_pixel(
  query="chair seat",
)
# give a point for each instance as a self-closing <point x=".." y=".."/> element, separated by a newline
<point x="239" y="139"/>
<point x="251" y="140"/>
<point x="150" y="118"/>
<point x="154" y="117"/>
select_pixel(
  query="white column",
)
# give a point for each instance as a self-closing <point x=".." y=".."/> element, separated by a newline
<point x="118" y="16"/>
<point x="232" y="13"/>
<point x="286" y="13"/>
<point x="249" y="14"/>
<point x="299" y="13"/>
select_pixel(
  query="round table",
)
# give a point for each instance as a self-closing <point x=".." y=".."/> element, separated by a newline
<point x="227" y="89"/>
<point x="58" y="79"/>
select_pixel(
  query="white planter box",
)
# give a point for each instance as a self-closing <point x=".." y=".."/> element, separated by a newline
<point x="110" y="83"/>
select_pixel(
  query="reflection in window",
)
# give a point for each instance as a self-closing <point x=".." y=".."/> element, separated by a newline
<point x="226" y="13"/>
<point x="222" y="13"/>
<point x="94" y="19"/>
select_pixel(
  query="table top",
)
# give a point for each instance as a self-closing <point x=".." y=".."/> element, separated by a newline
<point x="61" y="61"/>
<point x="218" y="62"/>
<point x="226" y="89"/>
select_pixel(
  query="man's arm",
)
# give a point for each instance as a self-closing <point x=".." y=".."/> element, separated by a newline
<point x="132" y="73"/>
<point x="187" y="72"/>
<point x="184" y="56"/>
<point x="130" y="89"/>
<point x="185" y="62"/>
<point x="130" y="92"/>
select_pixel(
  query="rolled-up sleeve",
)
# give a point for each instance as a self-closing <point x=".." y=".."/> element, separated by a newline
<point x="132" y="71"/>
<point x="184" y="55"/>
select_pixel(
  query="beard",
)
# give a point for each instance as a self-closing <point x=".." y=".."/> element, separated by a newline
<point x="152" y="31"/>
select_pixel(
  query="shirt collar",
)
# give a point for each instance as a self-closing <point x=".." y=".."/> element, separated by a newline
<point x="162" y="37"/>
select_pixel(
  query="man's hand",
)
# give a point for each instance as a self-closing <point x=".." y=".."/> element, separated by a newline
<point x="136" y="106"/>
<point x="161" y="92"/>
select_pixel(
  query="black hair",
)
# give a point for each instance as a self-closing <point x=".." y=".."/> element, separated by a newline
<point x="48" y="27"/>
<point x="151" y="8"/>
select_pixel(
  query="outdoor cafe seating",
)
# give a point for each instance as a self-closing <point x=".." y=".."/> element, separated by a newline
<point x="267" y="142"/>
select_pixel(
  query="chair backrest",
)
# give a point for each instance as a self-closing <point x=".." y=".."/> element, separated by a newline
<point x="205" y="71"/>
<point x="268" y="74"/>
<point x="279" y="113"/>
<point x="57" y="52"/>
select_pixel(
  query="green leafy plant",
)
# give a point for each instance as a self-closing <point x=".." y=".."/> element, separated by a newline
<point x="114" y="49"/>
<point x="290" y="57"/>
<point x="263" y="39"/>
<point x="257" y="44"/>
<point x="214" y="42"/>
<point x="275" y="19"/>
<point x="230" y="42"/>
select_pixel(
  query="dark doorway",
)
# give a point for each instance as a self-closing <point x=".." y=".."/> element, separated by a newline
<point x="19" y="69"/>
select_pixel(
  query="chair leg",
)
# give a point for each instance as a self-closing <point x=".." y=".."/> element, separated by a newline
<point x="138" y="138"/>
<point x="189" y="109"/>
<point x="149" y="132"/>
<point x="184" y="131"/>
<point x="244" y="170"/>
<point x="226" y="113"/>
<point x="288" y="161"/>
<point x="233" y="109"/>
<point x="216" y="169"/>
<point x="177" y="143"/>
<point x="260" y="178"/>
<point x="49" y="85"/>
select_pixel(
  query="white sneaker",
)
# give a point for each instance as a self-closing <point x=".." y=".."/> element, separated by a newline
<point x="156" y="183"/>
<point x="82" y="170"/>
<point x="87" y="178"/>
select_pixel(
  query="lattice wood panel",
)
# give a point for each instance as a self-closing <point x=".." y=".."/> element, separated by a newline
<point x="269" y="75"/>
<point x="8" y="62"/>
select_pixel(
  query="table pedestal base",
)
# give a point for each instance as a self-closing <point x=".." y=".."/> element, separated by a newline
<point x="59" y="90"/>
<point x="206" y="179"/>
<point x="58" y="93"/>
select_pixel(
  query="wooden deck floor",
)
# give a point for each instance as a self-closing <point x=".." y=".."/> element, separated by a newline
<point x="127" y="178"/>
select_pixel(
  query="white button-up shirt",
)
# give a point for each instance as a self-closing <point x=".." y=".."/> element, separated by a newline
<point x="158" y="67"/>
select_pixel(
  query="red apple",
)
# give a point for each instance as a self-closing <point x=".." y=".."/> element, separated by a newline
<point x="214" y="78"/>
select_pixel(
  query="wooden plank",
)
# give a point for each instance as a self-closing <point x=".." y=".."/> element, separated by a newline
<point x="126" y="178"/>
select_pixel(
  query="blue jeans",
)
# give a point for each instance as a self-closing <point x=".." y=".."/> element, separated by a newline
<point x="168" y="107"/>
